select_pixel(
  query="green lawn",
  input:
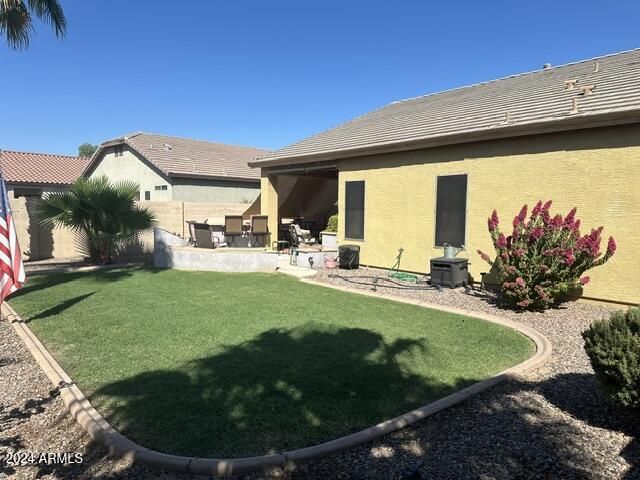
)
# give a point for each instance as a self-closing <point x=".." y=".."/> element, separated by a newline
<point x="228" y="365"/>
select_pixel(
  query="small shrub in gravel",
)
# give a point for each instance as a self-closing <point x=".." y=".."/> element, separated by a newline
<point x="613" y="346"/>
<point x="544" y="257"/>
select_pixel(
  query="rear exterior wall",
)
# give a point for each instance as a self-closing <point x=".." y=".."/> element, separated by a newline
<point x="596" y="170"/>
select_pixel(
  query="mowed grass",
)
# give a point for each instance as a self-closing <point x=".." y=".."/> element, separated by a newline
<point x="229" y="365"/>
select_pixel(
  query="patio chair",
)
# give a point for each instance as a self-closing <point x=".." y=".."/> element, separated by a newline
<point x="200" y="235"/>
<point x="233" y="228"/>
<point x="300" y="236"/>
<point x="259" y="228"/>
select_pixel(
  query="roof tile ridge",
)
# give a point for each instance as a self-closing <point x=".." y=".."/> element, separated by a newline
<point x="516" y="75"/>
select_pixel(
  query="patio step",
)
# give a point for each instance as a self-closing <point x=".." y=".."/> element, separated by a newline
<point x="293" y="270"/>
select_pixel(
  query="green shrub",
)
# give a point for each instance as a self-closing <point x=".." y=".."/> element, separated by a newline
<point x="332" y="224"/>
<point x="544" y="257"/>
<point x="613" y="347"/>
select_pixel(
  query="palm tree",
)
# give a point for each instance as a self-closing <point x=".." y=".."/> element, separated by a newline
<point x="16" y="23"/>
<point x="105" y="214"/>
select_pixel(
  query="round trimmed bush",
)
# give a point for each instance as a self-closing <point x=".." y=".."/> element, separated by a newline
<point x="613" y="346"/>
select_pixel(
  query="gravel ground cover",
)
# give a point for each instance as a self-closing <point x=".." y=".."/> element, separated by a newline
<point x="551" y="424"/>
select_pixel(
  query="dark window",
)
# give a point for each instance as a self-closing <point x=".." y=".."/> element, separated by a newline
<point x="354" y="210"/>
<point x="138" y="196"/>
<point x="147" y="195"/>
<point x="451" y="210"/>
<point x="160" y="187"/>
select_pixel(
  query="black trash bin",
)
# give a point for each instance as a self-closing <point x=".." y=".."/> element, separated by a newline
<point x="349" y="256"/>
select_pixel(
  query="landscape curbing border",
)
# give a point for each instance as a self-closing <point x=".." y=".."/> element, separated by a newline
<point x="117" y="444"/>
<point x="80" y="269"/>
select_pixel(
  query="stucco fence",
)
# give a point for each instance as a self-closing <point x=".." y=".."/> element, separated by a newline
<point x="38" y="242"/>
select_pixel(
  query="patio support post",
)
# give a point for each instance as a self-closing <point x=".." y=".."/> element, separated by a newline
<point x="269" y="204"/>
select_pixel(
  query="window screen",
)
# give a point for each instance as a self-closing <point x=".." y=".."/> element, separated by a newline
<point x="451" y="210"/>
<point x="147" y="195"/>
<point x="354" y="210"/>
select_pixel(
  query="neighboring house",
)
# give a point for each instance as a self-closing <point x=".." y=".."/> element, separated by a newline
<point x="32" y="174"/>
<point x="28" y="176"/>
<point x="428" y="170"/>
<point x="173" y="168"/>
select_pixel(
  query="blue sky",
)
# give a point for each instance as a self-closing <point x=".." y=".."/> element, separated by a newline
<point x="268" y="73"/>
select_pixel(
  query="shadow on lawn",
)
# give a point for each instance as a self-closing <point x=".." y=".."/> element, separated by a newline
<point x="59" y="308"/>
<point x="292" y="388"/>
<point x="499" y="434"/>
<point x="284" y="389"/>
<point x="42" y="281"/>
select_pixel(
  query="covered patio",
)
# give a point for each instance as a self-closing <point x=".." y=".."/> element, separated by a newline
<point x="298" y="201"/>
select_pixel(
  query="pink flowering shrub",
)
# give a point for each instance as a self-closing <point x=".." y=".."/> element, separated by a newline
<point x="544" y="257"/>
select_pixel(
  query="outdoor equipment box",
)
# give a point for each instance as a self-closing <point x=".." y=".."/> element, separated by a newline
<point x="449" y="272"/>
<point x="349" y="256"/>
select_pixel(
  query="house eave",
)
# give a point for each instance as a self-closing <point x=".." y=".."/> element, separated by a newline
<point x="562" y="124"/>
<point x="214" y="177"/>
<point x="11" y="183"/>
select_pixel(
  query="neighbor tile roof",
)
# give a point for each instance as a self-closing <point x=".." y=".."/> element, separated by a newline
<point x="520" y="100"/>
<point x="25" y="167"/>
<point x="177" y="156"/>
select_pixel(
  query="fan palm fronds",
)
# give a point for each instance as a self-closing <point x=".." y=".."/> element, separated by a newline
<point x="106" y="214"/>
<point x="16" y="22"/>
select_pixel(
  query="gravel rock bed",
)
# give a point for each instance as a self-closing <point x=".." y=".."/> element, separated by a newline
<point x="551" y="424"/>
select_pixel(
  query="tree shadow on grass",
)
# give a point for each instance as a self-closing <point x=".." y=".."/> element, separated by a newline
<point x="42" y="281"/>
<point x="59" y="308"/>
<point x="285" y="389"/>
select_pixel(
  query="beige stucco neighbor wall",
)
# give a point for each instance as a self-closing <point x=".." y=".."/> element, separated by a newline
<point x="129" y="167"/>
<point x="596" y="170"/>
<point x="38" y="242"/>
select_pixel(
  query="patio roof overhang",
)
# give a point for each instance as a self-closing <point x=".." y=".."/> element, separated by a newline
<point x="313" y="170"/>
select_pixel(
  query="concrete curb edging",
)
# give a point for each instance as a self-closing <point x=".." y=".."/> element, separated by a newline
<point x="117" y="444"/>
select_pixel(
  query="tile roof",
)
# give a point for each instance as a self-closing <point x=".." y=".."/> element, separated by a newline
<point x="176" y="156"/>
<point x="558" y="96"/>
<point x="25" y="167"/>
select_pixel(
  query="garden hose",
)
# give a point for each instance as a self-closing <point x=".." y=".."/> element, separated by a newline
<point x="374" y="283"/>
<point x="397" y="274"/>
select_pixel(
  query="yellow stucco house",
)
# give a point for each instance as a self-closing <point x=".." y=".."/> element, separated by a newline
<point x="422" y="171"/>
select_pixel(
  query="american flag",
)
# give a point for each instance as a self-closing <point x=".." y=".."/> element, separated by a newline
<point x="11" y="266"/>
